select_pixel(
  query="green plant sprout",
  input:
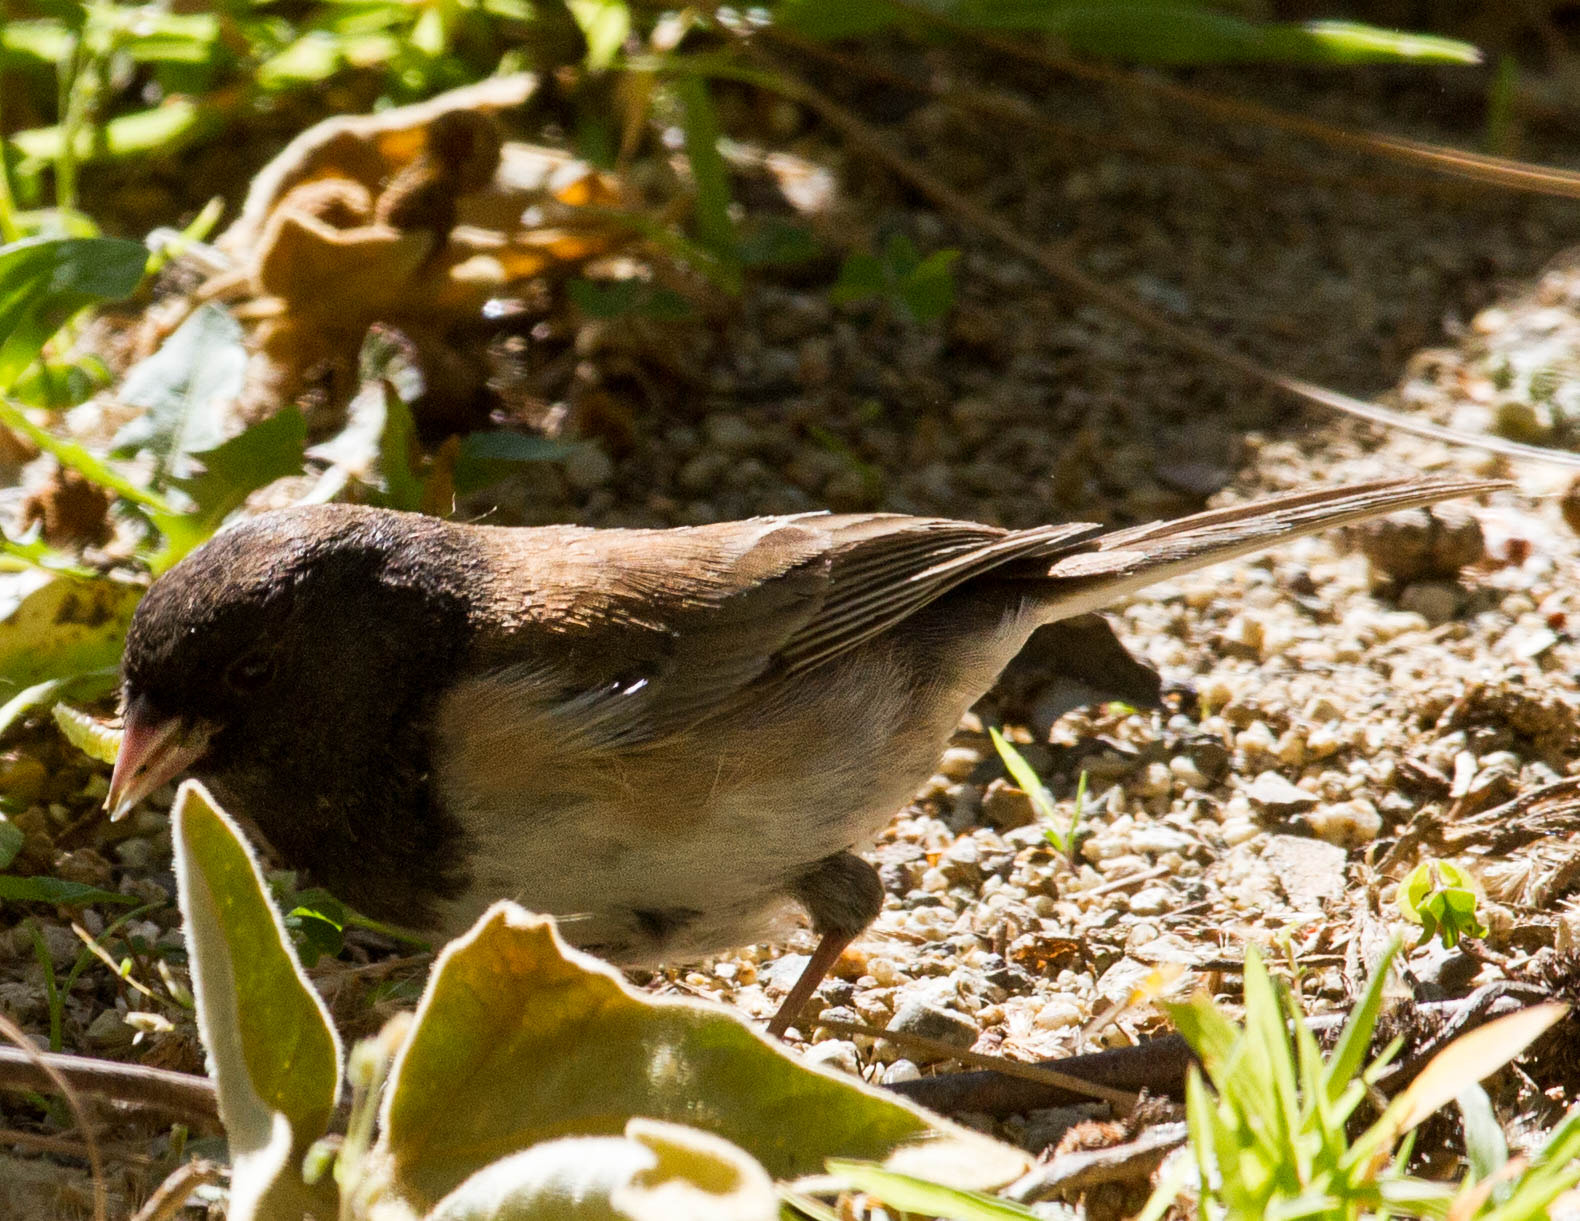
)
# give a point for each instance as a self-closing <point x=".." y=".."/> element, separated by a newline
<point x="1444" y="900"/>
<point x="1025" y="778"/>
<point x="1270" y="1117"/>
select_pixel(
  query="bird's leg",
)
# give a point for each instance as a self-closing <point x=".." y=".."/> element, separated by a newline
<point x="843" y="895"/>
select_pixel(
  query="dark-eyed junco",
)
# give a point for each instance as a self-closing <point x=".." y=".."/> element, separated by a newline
<point x="663" y="737"/>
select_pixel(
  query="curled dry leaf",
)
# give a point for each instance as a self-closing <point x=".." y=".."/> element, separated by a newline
<point x="413" y="216"/>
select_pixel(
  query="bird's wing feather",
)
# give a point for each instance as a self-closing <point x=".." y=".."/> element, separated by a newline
<point x="650" y="631"/>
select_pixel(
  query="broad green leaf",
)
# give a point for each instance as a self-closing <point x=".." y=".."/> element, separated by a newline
<point x="56" y="890"/>
<point x="61" y="627"/>
<point x="653" y="1172"/>
<point x="910" y="1193"/>
<point x="520" y="1039"/>
<point x="187" y="390"/>
<point x="377" y="446"/>
<point x="45" y="280"/>
<point x="828" y="20"/>
<point x="272" y="1051"/>
<point x="315" y="56"/>
<point x="1553" y="1171"/>
<point x="1485" y="1149"/>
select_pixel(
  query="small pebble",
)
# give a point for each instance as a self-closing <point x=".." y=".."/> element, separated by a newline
<point x="1152" y="901"/>
<point x="901" y="1070"/>
<point x="1345" y="823"/>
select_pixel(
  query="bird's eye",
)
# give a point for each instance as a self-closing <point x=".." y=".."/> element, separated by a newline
<point x="250" y="673"/>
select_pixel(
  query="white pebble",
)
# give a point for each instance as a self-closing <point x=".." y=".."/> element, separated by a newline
<point x="1057" y="1014"/>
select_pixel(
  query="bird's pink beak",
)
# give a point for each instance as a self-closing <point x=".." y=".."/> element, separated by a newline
<point x="155" y="748"/>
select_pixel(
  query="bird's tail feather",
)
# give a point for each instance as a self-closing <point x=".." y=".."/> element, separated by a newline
<point x="1123" y="561"/>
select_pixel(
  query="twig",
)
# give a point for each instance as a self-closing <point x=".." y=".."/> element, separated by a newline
<point x="1124" y="883"/>
<point x="1040" y="1073"/>
<point x="1474" y="1010"/>
<point x="66" y="1146"/>
<point x="1499" y="171"/>
<point x="999" y="104"/>
<point x="181" y="1094"/>
<point x="863" y="135"/>
<point x="40" y="1062"/>
<point x="1087" y="1168"/>
<point x="171" y="1195"/>
<point x="1158" y="1065"/>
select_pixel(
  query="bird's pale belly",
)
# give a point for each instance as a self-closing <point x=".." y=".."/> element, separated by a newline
<point x="652" y="855"/>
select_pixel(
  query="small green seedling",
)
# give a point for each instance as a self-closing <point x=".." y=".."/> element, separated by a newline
<point x="1444" y="900"/>
<point x="1021" y="772"/>
<point x="921" y="289"/>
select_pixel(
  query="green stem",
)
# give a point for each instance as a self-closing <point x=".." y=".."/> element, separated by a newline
<point x="70" y="454"/>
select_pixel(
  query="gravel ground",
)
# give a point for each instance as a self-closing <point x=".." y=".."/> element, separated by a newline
<point x="1335" y="709"/>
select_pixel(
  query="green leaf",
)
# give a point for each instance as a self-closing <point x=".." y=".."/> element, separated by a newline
<point x="652" y="1172"/>
<point x="605" y="24"/>
<point x="1485" y="1148"/>
<point x="1024" y="776"/>
<point x="1354" y="1040"/>
<point x="488" y="457"/>
<point x="79" y="459"/>
<point x="624" y="298"/>
<point x="45" y="280"/>
<point x="273" y="1053"/>
<point x="860" y="276"/>
<point x="11" y="840"/>
<point x="769" y="241"/>
<point x="90" y="737"/>
<point x="187" y="389"/>
<point x="519" y="1039"/>
<point x="829" y="20"/>
<point x="700" y="123"/>
<point x="928" y="292"/>
<point x="1137" y="31"/>
<point x="161" y="129"/>
<point x="61" y="627"/>
<point x="57" y="891"/>
<point x="378" y="446"/>
<point x="270" y="449"/>
<point x="908" y="1193"/>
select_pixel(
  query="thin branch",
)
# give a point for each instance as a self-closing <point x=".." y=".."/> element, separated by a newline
<point x="1040" y="1073"/>
<point x="40" y="1062"/>
<point x="182" y="1094"/>
<point x="1499" y="171"/>
<point x="866" y="137"/>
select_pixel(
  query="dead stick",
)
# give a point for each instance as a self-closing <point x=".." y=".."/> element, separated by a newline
<point x="861" y="133"/>
<point x="1498" y="171"/>
<point x="182" y="1094"/>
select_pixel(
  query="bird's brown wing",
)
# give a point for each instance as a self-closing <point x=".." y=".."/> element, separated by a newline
<point x="628" y="636"/>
